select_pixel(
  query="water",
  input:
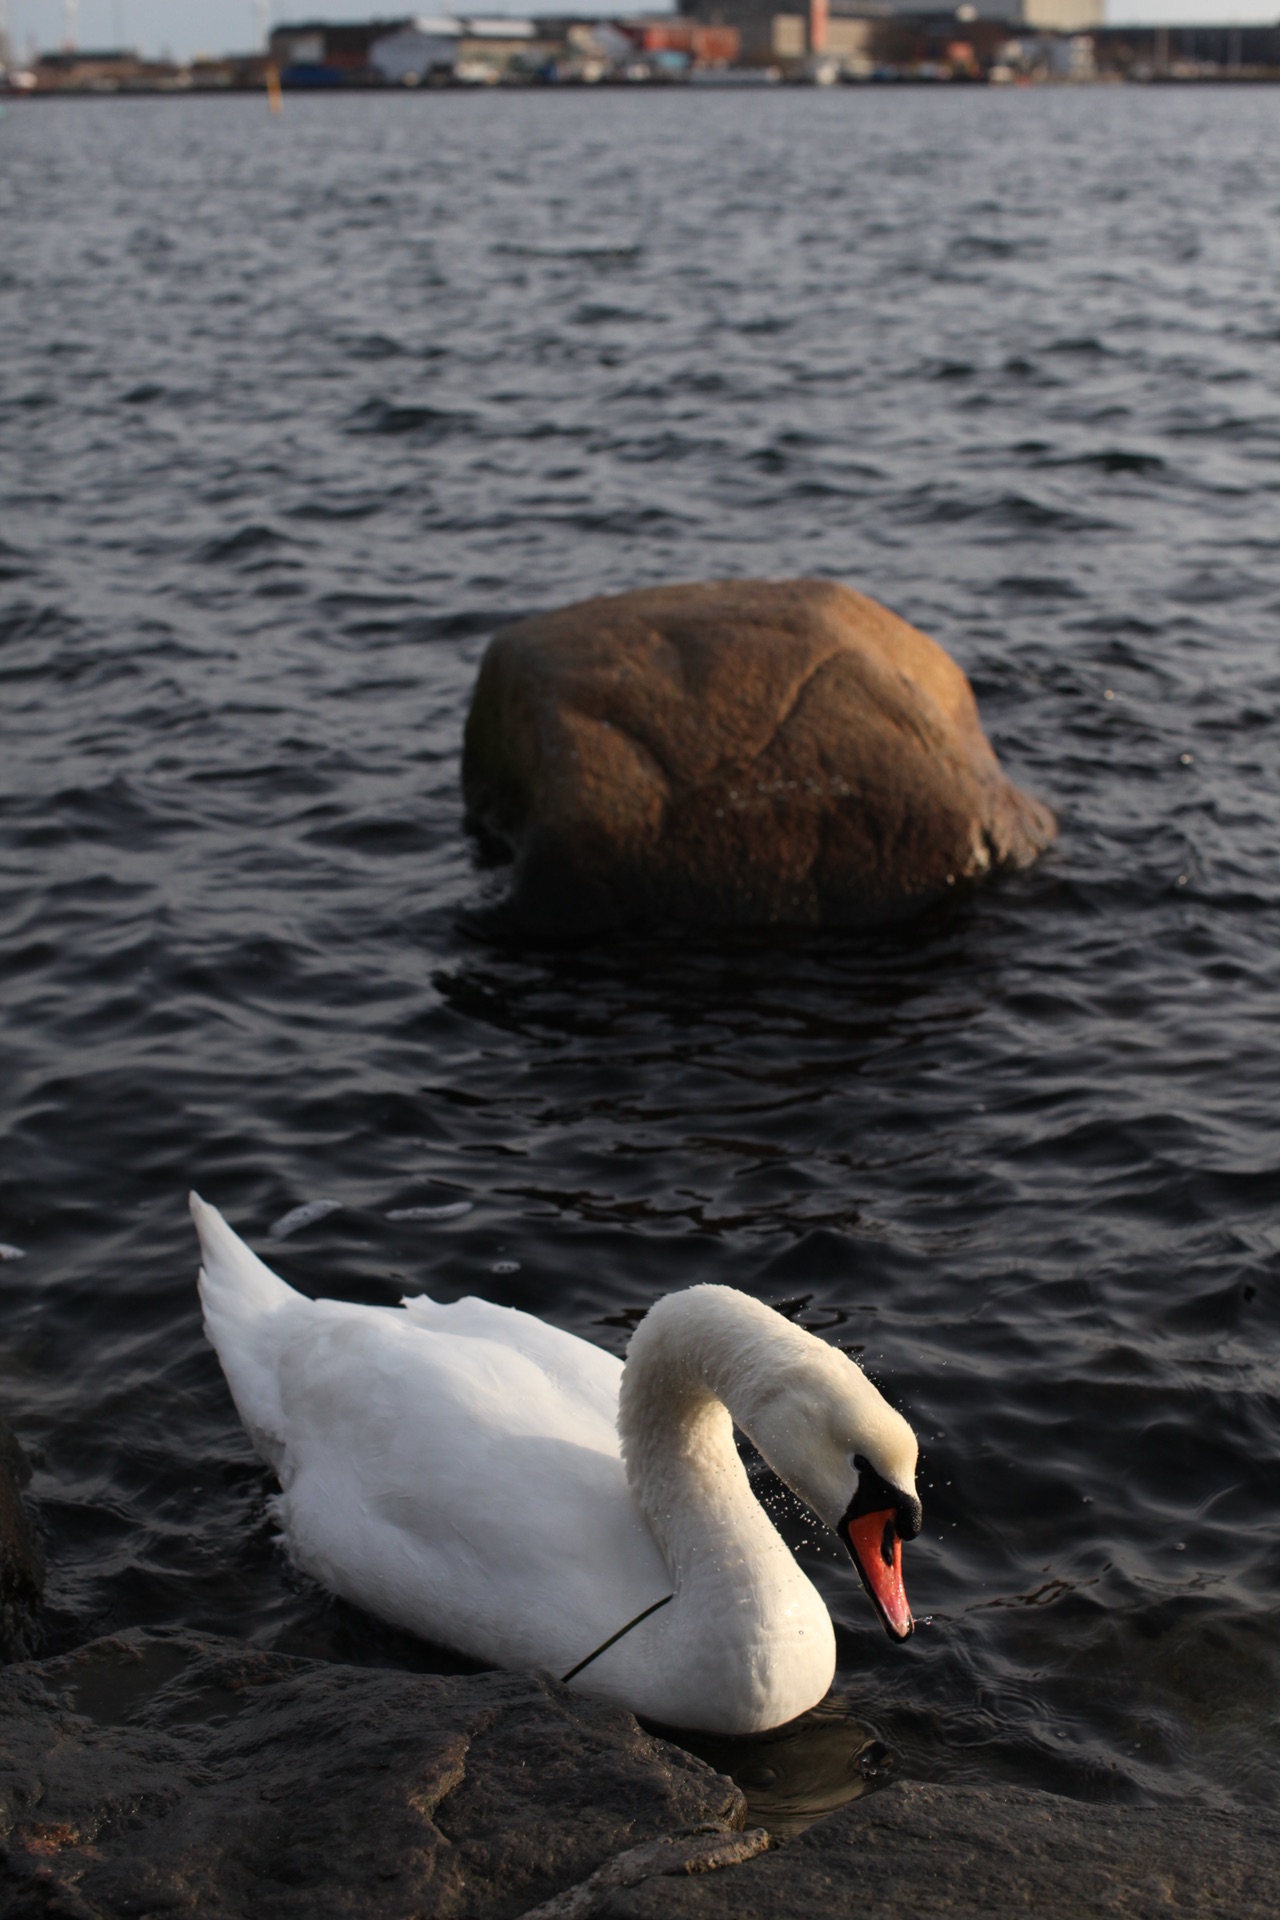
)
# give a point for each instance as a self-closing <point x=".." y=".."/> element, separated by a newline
<point x="296" y="411"/>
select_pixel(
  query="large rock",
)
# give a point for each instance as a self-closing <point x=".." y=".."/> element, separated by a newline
<point x="737" y="753"/>
<point x="178" y="1774"/>
<point x="21" y="1556"/>
<point x="916" y="1852"/>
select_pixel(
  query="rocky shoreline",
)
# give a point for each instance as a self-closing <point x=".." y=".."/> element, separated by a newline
<point x="918" y="1852"/>
<point x="172" y="1773"/>
<point x="178" y="1773"/>
<point x="154" y="1773"/>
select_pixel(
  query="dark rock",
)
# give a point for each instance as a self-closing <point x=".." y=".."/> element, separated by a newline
<point x="177" y="1774"/>
<point x="674" y="1855"/>
<point x="21" y="1557"/>
<point x="735" y="753"/>
<point x="914" y="1852"/>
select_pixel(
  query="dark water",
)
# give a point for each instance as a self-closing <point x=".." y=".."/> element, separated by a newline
<point x="294" y="412"/>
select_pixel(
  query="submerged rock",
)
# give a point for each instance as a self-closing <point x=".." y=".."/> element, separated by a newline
<point x="735" y="753"/>
<point x="184" y="1774"/>
<point x="21" y="1557"/>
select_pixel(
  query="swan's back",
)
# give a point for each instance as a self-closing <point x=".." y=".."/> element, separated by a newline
<point x="253" y="1319"/>
<point x="584" y="1372"/>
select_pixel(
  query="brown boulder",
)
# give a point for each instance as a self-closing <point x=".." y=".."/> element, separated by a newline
<point x="735" y="753"/>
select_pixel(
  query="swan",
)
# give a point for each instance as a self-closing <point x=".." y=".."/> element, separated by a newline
<point x="502" y="1487"/>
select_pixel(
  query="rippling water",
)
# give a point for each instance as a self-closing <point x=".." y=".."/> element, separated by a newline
<point x="295" y="412"/>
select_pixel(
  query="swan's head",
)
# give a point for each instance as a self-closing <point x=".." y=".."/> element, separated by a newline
<point x="849" y="1456"/>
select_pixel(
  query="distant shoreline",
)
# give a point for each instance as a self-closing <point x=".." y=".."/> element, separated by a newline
<point x="1170" y="83"/>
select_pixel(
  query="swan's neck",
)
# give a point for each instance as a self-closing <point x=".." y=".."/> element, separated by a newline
<point x="700" y="1361"/>
<point x="746" y="1639"/>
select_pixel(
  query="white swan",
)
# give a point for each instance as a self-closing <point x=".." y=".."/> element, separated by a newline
<point x="502" y="1487"/>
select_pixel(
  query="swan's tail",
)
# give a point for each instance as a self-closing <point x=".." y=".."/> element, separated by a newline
<point x="244" y="1321"/>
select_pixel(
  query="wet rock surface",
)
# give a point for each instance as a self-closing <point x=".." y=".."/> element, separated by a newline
<point x="182" y="1774"/>
<point x="674" y="1856"/>
<point x="734" y="753"/>
<point x="178" y="1774"/>
<point x="21" y="1557"/>
<point x="916" y="1852"/>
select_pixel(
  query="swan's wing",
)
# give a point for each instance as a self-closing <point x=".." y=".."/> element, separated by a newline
<point x="580" y="1369"/>
<point x="451" y="1486"/>
<point x="453" y="1468"/>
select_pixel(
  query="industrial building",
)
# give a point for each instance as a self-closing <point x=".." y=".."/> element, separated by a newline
<point x="878" y="34"/>
<point x="720" y="41"/>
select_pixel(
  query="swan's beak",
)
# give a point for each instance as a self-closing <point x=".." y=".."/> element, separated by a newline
<point x="876" y="1551"/>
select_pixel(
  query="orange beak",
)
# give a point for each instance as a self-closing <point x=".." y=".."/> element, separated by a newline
<point x="876" y="1551"/>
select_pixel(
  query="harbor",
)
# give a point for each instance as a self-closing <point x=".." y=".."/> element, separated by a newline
<point x="706" y="43"/>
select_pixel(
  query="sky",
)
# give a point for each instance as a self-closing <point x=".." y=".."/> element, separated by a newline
<point x="184" y="27"/>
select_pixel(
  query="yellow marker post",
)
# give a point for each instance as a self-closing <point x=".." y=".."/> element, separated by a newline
<point x="275" y="97"/>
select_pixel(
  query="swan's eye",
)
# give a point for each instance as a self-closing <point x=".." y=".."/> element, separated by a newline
<point x="872" y="1493"/>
